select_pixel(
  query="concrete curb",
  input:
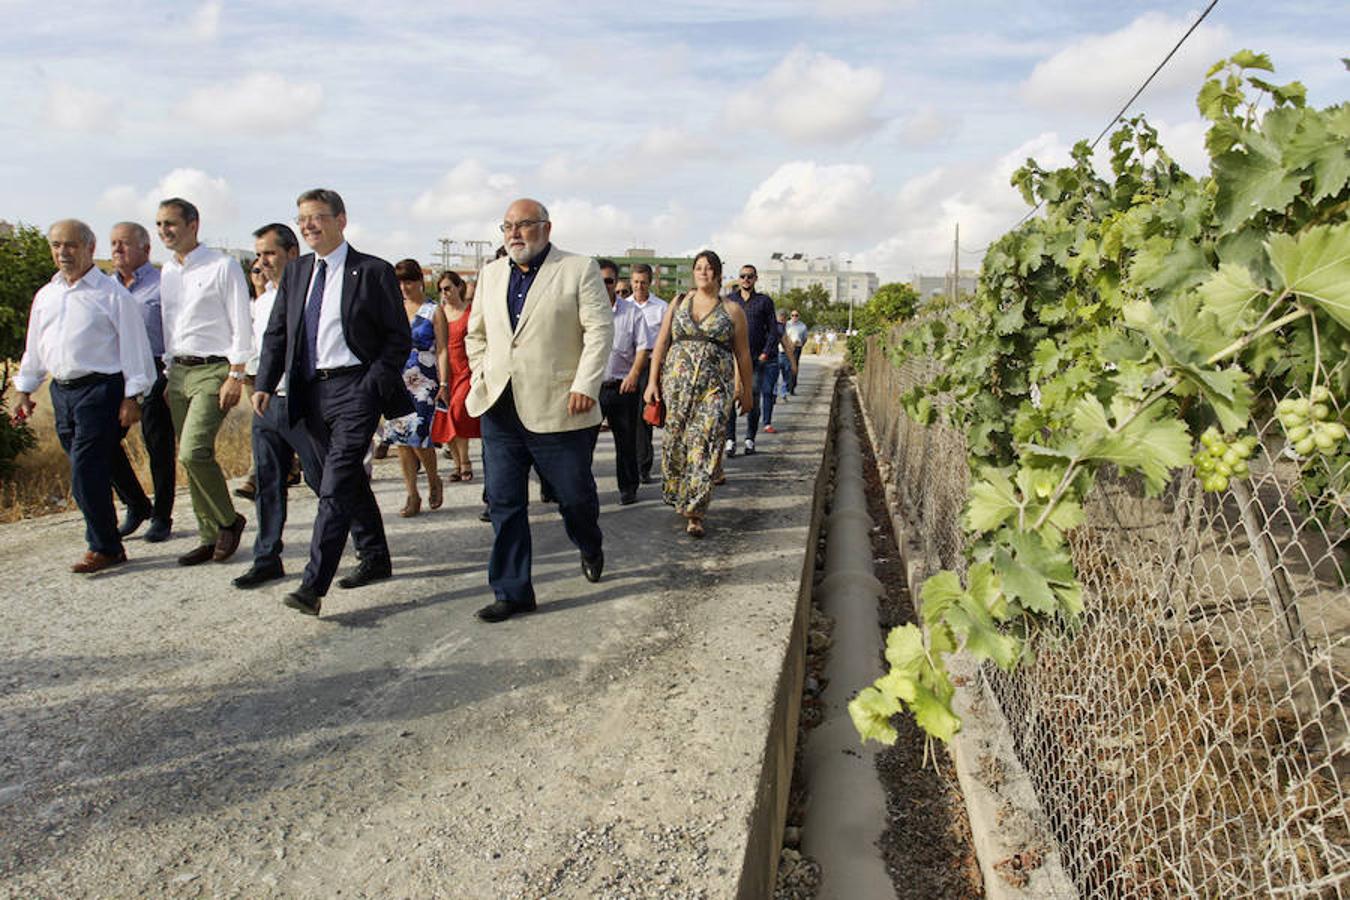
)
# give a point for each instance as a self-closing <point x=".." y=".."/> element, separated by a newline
<point x="846" y="814"/>
<point x="1007" y="824"/>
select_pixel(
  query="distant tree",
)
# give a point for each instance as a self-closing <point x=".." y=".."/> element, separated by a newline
<point x="815" y="307"/>
<point x="892" y="303"/>
<point x="25" y="265"/>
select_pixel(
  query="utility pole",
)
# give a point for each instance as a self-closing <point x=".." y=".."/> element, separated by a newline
<point x="956" y="261"/>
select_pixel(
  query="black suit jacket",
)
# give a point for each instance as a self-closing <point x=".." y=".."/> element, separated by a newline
<point x="374" y="325"/>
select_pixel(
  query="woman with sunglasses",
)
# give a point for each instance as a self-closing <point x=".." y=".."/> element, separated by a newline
<point x="463" y="426"/>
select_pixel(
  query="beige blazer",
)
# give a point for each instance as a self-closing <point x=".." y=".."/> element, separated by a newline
<point x="561" y="343"/>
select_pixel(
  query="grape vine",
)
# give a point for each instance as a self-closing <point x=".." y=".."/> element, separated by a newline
<point x="1135" y="324"/>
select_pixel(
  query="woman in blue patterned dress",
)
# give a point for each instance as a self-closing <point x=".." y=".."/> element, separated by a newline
<point x="702" y="342"/>
<point x="426" y="376"/>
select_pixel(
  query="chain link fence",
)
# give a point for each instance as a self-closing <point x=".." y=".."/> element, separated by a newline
<point x="1189" y="737"/>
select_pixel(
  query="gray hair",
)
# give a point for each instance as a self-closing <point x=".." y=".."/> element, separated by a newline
<point x="138" y="230"/>
<point x="331" y="199"/>
<point x="86" y="233"/>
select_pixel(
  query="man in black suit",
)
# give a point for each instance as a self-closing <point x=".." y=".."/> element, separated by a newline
<point x="339" y="333"/>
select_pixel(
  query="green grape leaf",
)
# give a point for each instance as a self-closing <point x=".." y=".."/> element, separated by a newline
<point x="939" y="593"/>
<point x="1148" y="444"/>
<point x="993" y="500"/>
<point x="1228" y="294"/>
<point x="934" y="714"/>
<point x="1250" y="59"/>
<point x="1024" y="583"/>
<point x="1250" y="180"/>
<point x="984" y="589"/>
<point x="1316" y="265"/>
<point x="905" y="649"/>
<point x="871" y="713"/>
<point x="1313" y="144"/>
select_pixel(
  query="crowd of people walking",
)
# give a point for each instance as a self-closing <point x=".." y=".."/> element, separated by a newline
<point x="529" y="357"/>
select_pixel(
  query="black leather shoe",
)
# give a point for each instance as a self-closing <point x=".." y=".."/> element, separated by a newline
<point x="485" y="515"/>
<point x="593" y="568"/>
<point x="367" y="572"/>
<point x="304" y="599"/>
<point x="260" y="573"/>
<point x="159" y="530"/>
<point x="131" y="521"/>
<point x="501" y="610"/>
<point x="197" y="557"/>
<point x="627" y="498"/>
<point x="246" y="491"/>
<point x="647" y="478"/>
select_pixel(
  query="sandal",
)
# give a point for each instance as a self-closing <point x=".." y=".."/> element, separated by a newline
<point x="437" y="492"/>
<point x="695" y="528"/>
<point x="466" y="475"/>
<point x="412" y="507"/>
<point x="455" y="476"/>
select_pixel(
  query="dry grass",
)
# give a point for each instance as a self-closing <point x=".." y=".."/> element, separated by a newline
<point x="41" y="482"/>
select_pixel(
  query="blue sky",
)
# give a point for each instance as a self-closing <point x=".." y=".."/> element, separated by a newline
<point x="862" y="128"/>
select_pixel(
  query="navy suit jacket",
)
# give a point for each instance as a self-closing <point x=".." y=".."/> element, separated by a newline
<point x="374" y="325"/>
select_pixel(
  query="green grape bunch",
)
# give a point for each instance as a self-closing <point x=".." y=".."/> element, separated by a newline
<point x="1222" y="458"/>
<point x="1308" y="425"/>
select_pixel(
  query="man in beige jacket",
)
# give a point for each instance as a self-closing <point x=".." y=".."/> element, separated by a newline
<point x="539" y="336"/>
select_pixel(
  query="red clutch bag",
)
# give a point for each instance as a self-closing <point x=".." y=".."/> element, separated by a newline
<point x="654" y="413"/>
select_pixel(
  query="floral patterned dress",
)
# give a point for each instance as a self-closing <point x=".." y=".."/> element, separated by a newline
<point x="422" y="382"/>
<point x="698" y="383"/>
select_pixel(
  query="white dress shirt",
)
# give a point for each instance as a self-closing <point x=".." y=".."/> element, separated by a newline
<point x="204" y="301"/>
<point x="333" y="352"/>
<point x="631" y="334"/>
<point x="262" y="311"/>
<point x="79" y="329"/>
<point x="654" y="310"/>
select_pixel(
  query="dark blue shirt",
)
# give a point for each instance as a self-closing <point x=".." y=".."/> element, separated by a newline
<point x="762" y="324"/>
<point x="518" y="288"/>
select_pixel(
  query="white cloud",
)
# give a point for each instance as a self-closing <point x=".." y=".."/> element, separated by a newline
<point x="657" y="152"/>
<point x="1104" y="69"/>
<point x="235" y="108"/>
<point x="803" y="206"/>
<point x="469" y="200"/>
<point x="212" y="196"/>
<point x="1185" y="142"/>
<point x="71" y="108"/>
<point x="926" y="126"/>
<point x="810" y="97"/>
<point x="835" y="9"/>
<point x="205" y="23"/>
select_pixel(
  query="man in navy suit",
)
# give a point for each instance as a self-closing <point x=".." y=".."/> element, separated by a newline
<point x="339" y="332"/>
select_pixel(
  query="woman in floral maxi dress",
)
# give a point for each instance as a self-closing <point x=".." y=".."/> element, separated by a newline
<point x="425" y="375"/>
<point x="703" y="339"/>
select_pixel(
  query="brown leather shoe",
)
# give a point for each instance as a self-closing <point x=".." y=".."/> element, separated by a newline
<point x="97" y="562"/>
<point x="228" y="540"/>
<point x="197" y="557"/>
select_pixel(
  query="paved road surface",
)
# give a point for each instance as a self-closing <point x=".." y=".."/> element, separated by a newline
<point x="164" y="734"/>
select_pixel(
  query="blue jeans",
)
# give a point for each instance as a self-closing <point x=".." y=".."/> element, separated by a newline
<point x="785" y="374"/>
<point x="752" y="417"/>
<point x="563" y="459"/>
<point x="275" y="444"/>
<point x="87" y="426"/>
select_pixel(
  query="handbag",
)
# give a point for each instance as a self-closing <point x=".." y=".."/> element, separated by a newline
<point x="654" y="413"/>
<point x="442" y="431"/>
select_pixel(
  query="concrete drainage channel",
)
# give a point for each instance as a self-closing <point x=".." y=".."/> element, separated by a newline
<point x="837" y="810"/>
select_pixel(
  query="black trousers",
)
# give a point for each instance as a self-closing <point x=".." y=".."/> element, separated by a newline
<point x="341" y="418"/>
<point x="645" y="457"/>
<point x="622" y="410"/>
<point x="157" y="433"/>
<point x="276" y="444"/>
<point x="87" y="426"/>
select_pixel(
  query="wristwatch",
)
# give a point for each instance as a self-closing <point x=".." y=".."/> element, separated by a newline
<point x="139" y="398"/>
<point x="237" y="376"/>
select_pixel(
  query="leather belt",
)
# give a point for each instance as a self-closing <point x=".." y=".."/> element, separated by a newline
<point x="325" y="374"/>
<point x="198" y="360"/>
<point x="71" y="384"/>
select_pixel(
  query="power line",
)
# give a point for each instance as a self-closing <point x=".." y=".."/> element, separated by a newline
<point x="1128" y="103"/>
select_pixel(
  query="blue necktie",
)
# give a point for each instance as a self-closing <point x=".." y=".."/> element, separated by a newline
<point x="313" y="307"/>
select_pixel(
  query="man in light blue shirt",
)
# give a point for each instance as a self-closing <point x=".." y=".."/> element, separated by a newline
<point x="620" y="398"/>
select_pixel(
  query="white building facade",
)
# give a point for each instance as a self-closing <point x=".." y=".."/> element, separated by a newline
<point x="785" y="271"/>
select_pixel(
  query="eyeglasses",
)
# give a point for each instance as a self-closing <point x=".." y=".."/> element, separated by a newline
<point x="609" y="281"/>
<point x="508" y="227"/>
<point x="316" y="218"/>
<point x="748" y="276"/>
<point x="256" y="271"/>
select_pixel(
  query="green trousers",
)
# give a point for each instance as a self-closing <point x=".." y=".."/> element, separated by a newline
<point x="194" y="402"/>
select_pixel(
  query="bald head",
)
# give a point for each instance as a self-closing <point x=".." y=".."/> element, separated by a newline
<point x="72" y="244"/>
<point x="526" y="229"/>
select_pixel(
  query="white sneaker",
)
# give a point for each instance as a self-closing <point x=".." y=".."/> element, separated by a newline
<point x="749" y="447"/>
<point x="730" y="447"/>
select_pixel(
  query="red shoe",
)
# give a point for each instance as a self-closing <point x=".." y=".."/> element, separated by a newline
<point x="769" y="429"/>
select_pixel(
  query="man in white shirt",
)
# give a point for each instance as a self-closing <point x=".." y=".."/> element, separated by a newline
<point x="207" y="339"/>
<point x="620" y="399"/>
<point x="653" y="310"/>
<point x="796" y="332"/>
<point x="86" y="332"/>
<point x="276" y="442"/>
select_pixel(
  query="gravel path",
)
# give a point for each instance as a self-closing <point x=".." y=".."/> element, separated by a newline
<point x="164" y="734"/>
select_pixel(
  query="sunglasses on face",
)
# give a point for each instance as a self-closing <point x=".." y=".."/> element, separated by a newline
<point x="749" y="277"/>
<point x="256" y="270"/>
<point x="609" y="281"/>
